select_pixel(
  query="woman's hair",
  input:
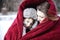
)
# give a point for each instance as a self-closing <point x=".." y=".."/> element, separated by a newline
<point x="44" y="7"/>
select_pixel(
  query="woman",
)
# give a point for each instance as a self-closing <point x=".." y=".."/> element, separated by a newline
<point x="48" y="29"/>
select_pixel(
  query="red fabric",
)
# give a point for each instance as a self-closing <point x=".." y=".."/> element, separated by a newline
<point x="49" y="30"/>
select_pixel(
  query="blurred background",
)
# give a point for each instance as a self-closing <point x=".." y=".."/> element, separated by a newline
<point x="8" y="12"/>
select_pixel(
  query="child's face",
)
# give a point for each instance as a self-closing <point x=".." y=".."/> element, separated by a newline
<point x="28" y="22"/>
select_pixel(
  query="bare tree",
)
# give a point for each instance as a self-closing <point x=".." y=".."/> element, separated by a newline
<point x="1" y="4"/>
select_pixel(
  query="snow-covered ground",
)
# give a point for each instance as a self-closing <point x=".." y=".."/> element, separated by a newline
<point x="5" y="23"/>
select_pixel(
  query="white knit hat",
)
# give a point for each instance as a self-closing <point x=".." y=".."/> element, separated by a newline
<point x="30" y="13"/>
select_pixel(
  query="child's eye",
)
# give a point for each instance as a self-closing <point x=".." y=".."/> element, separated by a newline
<point x="27" y="21"/>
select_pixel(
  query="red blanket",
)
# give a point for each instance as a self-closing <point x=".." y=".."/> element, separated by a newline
<point x="48" y="30"/>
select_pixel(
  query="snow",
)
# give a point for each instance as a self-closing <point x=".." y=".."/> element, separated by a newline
<point x="5" y="23"/>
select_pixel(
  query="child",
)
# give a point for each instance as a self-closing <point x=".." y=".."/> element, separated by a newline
<point x="30" y="19"/>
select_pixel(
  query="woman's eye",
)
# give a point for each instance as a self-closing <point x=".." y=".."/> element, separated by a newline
<point x="39" y="9"/>
<point x="40" y="17"/>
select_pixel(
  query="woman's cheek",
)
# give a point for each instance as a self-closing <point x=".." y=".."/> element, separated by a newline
<point x="40" y="19"/>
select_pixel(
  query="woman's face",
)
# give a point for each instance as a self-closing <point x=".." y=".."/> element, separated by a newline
<point x="40" y="16"/>
<point x="42" y="11"/>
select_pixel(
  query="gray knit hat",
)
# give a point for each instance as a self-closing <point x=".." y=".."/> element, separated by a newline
<point x="30" y="13"/>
